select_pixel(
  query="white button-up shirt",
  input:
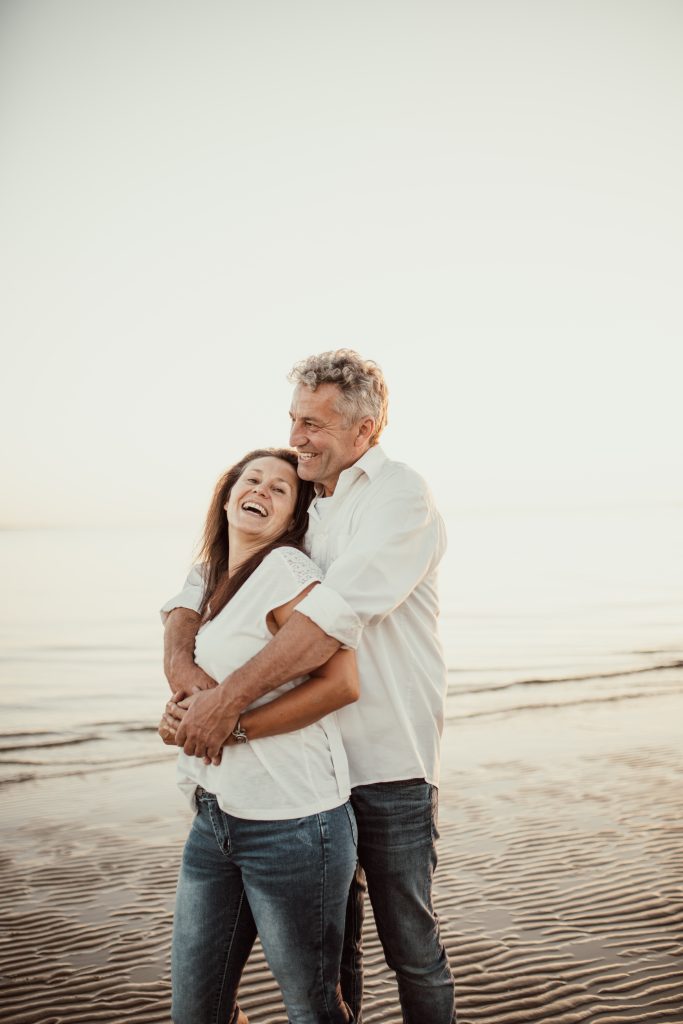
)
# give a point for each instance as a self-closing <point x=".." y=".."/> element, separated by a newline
<point x="379" y="540"/>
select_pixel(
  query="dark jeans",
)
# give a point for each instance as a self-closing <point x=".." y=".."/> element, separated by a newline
<point x="396" y="849"/>
<point x="290" y="879"/>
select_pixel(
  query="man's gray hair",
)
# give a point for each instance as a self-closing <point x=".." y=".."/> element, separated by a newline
<point x="363" y="390"/>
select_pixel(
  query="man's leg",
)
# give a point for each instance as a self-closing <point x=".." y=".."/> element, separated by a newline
<point x="352" y="954"/>
<point x="396" y="848"/>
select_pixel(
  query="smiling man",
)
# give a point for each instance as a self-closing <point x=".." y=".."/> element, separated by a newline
<point x="376" y="534"/>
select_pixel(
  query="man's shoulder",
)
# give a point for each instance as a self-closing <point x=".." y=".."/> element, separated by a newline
<point x="399" y="476"/>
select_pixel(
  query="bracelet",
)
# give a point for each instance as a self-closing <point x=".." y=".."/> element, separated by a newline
<point x="238" y="733"/>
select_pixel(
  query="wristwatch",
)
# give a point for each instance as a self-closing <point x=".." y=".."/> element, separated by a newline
<point x="238" y="734"/>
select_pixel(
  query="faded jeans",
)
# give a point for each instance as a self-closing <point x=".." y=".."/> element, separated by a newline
<point x="396" y="849"/>
<point x="287" y="879"/>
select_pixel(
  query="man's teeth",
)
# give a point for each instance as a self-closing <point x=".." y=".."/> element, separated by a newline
<point x="305" y="456"/>
<point x="253" y="506"/>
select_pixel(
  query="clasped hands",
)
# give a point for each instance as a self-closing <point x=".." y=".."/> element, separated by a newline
<point x="200" y="722"/>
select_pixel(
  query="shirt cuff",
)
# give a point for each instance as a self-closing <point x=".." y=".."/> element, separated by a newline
<point x="189" y="597"/>
<point x="329" y="610"/>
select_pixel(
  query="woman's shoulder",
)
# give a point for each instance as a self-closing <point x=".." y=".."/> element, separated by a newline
<point x="293" y="563"/>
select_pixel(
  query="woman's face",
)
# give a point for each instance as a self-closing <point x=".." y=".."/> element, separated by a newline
<point x="262" y="501"/>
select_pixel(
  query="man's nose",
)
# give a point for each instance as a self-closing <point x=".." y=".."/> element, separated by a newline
<point x="296" y="435"/>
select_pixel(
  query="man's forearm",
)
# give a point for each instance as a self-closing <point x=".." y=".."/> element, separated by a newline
<point x="297" y="649"/>
<point x="179" y="665"/>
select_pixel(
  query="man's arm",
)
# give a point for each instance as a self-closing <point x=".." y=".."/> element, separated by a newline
<point x="179" y="665"/>
<point x="297" y="649"/>
<point x="327" y="689"/>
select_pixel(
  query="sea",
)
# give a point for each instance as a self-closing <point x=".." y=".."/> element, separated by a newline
<point x="540" y="608"/>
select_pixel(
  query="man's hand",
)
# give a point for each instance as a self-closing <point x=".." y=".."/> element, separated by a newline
<point x="207" y="724"/>
<point x="176" y="709"/>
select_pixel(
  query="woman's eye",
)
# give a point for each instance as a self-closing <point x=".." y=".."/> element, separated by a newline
<point x="280" y="490"/>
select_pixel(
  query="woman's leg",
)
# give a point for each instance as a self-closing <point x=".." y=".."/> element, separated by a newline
<point x="213" y="928"/>
<point x="297" y="874"/>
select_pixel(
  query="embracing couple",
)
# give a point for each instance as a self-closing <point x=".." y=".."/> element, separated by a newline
<point x="308" y="691"/>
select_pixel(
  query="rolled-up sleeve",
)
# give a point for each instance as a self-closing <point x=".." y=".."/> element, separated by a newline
<point x="329" y="610"/>
<point x="399" y="540"/>
<point x="189" y="597"/>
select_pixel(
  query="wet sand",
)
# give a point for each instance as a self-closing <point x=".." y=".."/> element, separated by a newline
<point x="559" y="884"/>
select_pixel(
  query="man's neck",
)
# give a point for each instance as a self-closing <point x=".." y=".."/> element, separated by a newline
<point x="328" y="488"/>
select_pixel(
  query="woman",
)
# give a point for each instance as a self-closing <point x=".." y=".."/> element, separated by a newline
<point x="273" y="844"/>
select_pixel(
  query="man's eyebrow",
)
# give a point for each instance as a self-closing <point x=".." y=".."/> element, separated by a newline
<point x="310" y="419"/>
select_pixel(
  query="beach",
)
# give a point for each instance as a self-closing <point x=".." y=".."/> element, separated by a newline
<point x="558" y="885"/>
<point x="560" y="857"/>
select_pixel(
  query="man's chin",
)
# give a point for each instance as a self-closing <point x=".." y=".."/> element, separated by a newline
<point x="306" y="470"/>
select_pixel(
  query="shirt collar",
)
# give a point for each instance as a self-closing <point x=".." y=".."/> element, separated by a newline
<point x="370" y="463"/>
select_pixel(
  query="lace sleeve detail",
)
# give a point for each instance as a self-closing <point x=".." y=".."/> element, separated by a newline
<point x="300" y="566"/>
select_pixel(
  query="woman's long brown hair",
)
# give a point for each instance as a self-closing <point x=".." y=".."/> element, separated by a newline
<point x="214" y="551"/>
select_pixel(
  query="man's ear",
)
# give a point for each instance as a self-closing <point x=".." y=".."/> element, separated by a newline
<point x="366" y="429"/>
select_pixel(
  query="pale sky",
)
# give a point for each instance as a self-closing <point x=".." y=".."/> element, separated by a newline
<point x="484" y="197"/>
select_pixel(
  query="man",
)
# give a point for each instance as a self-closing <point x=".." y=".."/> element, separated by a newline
<point x="375" y="533"/>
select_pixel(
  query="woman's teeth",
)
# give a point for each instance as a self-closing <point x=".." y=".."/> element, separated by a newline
<point x="253" y="506"/>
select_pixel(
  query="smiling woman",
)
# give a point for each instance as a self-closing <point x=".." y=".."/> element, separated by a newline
<point x="265" y="479"/>
<point x="266" y="490"/>
<point x="273" y="844"/>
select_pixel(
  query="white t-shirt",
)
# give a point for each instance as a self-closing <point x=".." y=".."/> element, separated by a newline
<point x="288" y="776"/>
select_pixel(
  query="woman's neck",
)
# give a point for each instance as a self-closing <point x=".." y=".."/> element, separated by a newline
<point x="241" y="548"/>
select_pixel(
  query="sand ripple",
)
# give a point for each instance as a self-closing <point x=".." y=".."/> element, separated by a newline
<point x="560" y="899"/>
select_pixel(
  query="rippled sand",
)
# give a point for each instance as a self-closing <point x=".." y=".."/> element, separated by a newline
<point x="559" y="883"/>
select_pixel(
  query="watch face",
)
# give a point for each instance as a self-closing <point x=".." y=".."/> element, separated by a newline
<point x="239" y="734"/>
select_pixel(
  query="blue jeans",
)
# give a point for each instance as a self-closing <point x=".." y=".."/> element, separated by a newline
<point x="396" y="849"/>
<point x="287" y="879"/>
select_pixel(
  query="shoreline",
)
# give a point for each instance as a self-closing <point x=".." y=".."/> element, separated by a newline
<point x="558" y="885"/>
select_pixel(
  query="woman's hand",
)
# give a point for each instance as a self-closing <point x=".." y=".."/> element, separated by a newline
<point x="171" y="718"/>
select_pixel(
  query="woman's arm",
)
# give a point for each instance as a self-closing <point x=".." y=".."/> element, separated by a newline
<point x="332" y="686"/>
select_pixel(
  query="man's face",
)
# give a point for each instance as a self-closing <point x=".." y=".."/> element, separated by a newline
<point x="325" y="445"/>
